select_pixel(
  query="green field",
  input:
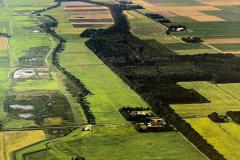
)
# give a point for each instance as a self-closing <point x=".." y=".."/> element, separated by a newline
<point x="223" y="97"/>
<point x="116" y="139"/>
<point x="112" y="138"/>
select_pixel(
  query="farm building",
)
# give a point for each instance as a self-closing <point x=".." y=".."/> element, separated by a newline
<point x="157" y="122"/>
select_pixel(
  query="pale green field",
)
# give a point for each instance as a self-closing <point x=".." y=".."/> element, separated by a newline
<point x="41" y="84"/>
<point x="223" y="98"/>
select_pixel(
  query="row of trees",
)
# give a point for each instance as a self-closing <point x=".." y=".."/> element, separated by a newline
<point x="83" y="92"/>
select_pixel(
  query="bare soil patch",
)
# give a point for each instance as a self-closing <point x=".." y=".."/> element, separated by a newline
<point x="87" y="15"/>
<point x="69" y="4"/>
<point x="85" y="9"/>
<point x="92" y="24"/>
<point x="222" y="41"/>
<point x="3" y="43"/>
<point x="76" y="20"/>
<point x="92" y="12"/>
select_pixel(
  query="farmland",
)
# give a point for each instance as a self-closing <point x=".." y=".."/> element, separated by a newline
<point x="206" y="19"/>
<point x="220" y="33"/>
<point x="228" y="133"/>
<point x="223" y="98"/>
<point x="24" y="52"/>
<point x="67" y="70"/>
<point x="105" y="100"/>
<point x="11" y="141"/>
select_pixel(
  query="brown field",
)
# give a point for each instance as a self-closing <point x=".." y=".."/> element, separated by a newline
<point x="86" y="15"/>
<point x="91" y="16"/>
<point x="79" y="20"/>
<point x="92" y="12"/>
<point x="92" y="24"/>
<point x="75" y="31"/>
<point x="85" y="9"/>
<point x="221" y="2"/>
<point x="3" y="43"/>
<point x="222" y="41"/>
<point x="14" y="140"/>
<point x="82" y="4"/>
<point x="198" y="16"/>
<point x="193" y="12"/>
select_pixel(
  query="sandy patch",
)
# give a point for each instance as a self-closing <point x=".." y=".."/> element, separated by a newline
<point x="222" y="41"/>
<point x="3" y="43"/>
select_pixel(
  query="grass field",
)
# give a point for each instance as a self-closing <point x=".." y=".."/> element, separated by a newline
<point x="20" y="27"/>
<point x="123" y="144"/>
<point x="223" y="97"/>
<point x="31" y="85"/>
<point x="116" y="138"/>
<point x="112" y="138"/>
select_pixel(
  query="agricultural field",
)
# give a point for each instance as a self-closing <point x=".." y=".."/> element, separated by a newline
<point x="14" y="140"/>
<point x="29" y="93"/>
<point x="108" y="94"/>
<point x="223" y="98"/>
<point x="86" y="15"/>
<point x="217" y="23"/>
<point x="227" y="134"/>
<point x="52" y="80"/>
<point x="210" y="20"/>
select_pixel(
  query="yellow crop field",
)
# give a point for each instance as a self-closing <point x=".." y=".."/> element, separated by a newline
<point x="224" y="137"/>
<point x="14" y="140"/>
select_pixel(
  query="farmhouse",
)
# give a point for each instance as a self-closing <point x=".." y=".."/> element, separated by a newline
<point x="192" y="39"/>
<point x="141" y="113"/>
<point x="145" y="120"/>
<point x="177" y="28"/>
<point x="157" y="122"/>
